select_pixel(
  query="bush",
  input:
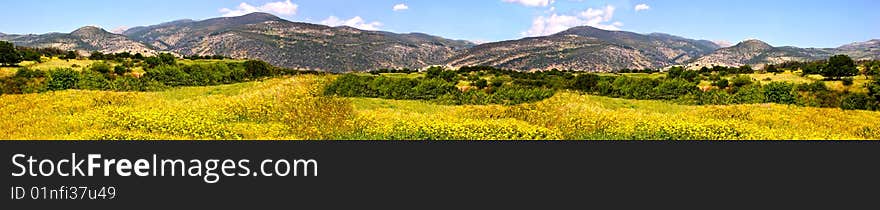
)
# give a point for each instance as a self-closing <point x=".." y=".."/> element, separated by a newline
<point x="780" y="93"/>
<point x="674" y="88"/>
<point x="62" y="79"/>
<point x="856" y="101"/>
<point x="92" y="80"/>
<point x="749" y="94"/>
<point x="350" y="85"/>
<point x="847" y="81"/>
<point x="715" y="97"/>
<point x="497" y="82"/>
<point x="816" y="86"/>
<point x="433" y="88"/>
<point x="481" y="83"/>
<point x="721" y="84"/>
<point x="258" y="69"/>
<point x="100" y="67"/>
<point x="585" y="82"/>
<point x="634" y="88"/>
<point x="168" y="75"/>
<point x="120" y="70"/>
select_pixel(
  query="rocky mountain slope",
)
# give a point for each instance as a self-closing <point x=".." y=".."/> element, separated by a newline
<point x="586" y="49"/>
<point x="85" y="40"/>
<point x="341" y="49"/>
<point x="758" y="53"/>
<point x="299" y="45"/>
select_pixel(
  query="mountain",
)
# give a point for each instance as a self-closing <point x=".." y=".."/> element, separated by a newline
<point x="298" y="45"/>
<point x="861" y="50"/>
<point x="758" y="53"/>
<point x="586" y="48"/>
<point x="85" y="40"/>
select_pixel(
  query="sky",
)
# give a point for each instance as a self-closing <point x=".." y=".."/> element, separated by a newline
<point x="802" y="23"/>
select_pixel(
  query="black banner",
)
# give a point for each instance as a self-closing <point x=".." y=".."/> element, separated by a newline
<point x="461" y="175"/>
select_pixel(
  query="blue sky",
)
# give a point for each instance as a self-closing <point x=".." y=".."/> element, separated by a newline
<point x="803" y="23"/>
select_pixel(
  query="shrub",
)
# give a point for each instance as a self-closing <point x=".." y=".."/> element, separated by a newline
<point x="120" y="70"/>
<point x="62" y="79"/>
<point x="100" y="67"/>
<point x="92" y="80"/>
<point x="257" y="69"/>
<point x="847" y="81"/>
<point x="481" y="83"/>
<point x="749" y="94"/>
<point x="856" y="101"/>
<point x="673" y="88"/>
<point x="433" y="88"/>
<point x="350" y="85"/>
<point x="780" y="93"/>
<point x="585" y="82"/>
<point x="722" y="83"/>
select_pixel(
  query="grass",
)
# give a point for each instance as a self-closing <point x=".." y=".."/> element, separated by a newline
<point x="293" y="108"/>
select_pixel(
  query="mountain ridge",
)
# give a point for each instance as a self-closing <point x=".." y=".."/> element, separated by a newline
<point x="311" y="46"/>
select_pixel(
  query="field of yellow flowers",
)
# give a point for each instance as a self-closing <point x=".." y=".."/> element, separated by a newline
<point x="294" y="108"/>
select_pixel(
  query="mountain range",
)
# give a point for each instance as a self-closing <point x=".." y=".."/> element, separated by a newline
<point x="343" y="49"/>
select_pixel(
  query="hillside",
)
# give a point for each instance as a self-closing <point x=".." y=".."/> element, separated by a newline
<point x="85" y="40"/>
<point x="586" y="49"/>
<point x="758" y="53"/>
<point x="298" y="45"/>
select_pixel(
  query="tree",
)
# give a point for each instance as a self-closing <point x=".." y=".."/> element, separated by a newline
<point x="771" y="69"/>
<point x="96" y="56"/>
<point x="120" y="70"/>
<point x="839" y="66"/>
<point x="721" y="84"/>
<point x="746" y="69"/>
<point x="481" y="83"/>
<point x="256" y="68"/>
<point x="585" y="82"/>
<point x="71" y="55"/>
<point x="8" y="55"/>
<point x="101" y="67"/>
<point x="813" y="68"/>
<point x="871" y="69"/>
<point x="167" y="58"/>
<point x="62" y="79"/>
<point x="780" y="93"/>
<point x="31" y="55"/>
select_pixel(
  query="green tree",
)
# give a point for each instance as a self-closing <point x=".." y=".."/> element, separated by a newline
<point x="839" y="66"/>
<point x="8" y="55"/>
<point x="780" y="93"/>
<point x="256" y="69"/>
<point x="167" y="59"/>
<point x="771" y="69"/>
<point x="95" y="55"/>
<point x="62" y="79"/>
<point x="71" y="55"/>
<point x="100" y="67"/>
<point x="585" y="82"/>
<point x="481" y="83"/>
<point x="120" y="70"/>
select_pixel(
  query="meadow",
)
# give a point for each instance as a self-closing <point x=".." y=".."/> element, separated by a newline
<point x="293" y="107"/>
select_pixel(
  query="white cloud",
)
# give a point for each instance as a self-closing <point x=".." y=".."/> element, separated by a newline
<point x="356" y="22"/>
<point x="531" y="3"/>
<point x="723" y="43"/>
<point x="555" y="23"/>
<point x="283" y="8"/>
<point x="641" y="7"/>
<point x="399" y="7"/>
<point x="119" y="30"/>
